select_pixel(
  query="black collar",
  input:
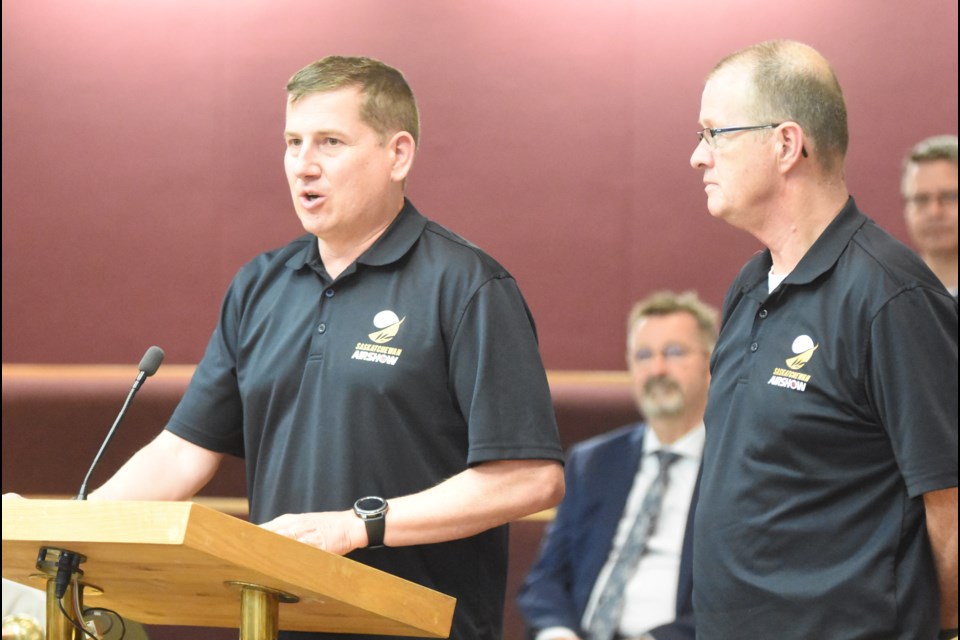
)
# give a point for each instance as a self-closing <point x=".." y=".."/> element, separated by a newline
<point x="820" y="258"/>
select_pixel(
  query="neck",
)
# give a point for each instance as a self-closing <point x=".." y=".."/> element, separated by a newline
<point x="944" y="266"/>
<point x="801" y="218"/>
<point x="671" y="429"/>
<point x="340" y="251"/>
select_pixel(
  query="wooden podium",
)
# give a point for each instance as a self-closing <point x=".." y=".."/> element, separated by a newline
<point x="180" y="563"/>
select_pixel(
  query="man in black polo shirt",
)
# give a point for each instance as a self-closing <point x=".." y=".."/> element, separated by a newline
<point x="380" y="375"/>
<point x="828" y="504"/>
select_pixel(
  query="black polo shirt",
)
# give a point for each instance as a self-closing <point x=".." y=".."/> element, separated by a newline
<point x="418" y="361"/>
<point x="832" y="409"/>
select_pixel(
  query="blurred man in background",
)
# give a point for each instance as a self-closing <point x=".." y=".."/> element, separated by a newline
<point x="929" y="188"/>
<point x="616" y="560"/>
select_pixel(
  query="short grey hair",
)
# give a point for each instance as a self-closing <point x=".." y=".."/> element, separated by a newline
<point x="932" y="149"/>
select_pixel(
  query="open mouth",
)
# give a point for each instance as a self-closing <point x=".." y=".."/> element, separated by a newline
<point x="308" y="198"/>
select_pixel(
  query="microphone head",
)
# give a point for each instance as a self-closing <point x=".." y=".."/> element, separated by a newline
<point x="151" y="361"/>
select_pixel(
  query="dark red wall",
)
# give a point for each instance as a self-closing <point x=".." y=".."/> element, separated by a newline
<point x="142" y="148"/>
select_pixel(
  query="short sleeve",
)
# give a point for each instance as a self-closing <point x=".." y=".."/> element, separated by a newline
<point x="498" y="378"/>
<point x="913" y="385"/>
<point x="210" y="414"/>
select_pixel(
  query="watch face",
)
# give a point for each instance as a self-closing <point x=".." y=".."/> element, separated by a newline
<point x="370" y="505"/>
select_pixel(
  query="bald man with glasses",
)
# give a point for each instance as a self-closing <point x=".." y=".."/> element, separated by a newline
<point x="828" y="503"/>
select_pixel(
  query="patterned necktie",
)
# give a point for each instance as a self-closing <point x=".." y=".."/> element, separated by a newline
<point x="606" y="616"/>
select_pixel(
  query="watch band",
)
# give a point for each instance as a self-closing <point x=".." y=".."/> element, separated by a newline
<point x="376" y="527"/>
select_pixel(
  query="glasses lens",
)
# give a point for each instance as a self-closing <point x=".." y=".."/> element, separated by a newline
<point x="710" y="138"/>
<point x="923" y="200"/>
<point x="642" y="356"/>
<point x="674" y="352"/>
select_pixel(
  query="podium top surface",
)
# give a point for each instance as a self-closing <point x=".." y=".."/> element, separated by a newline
<point x="172" y="562"/>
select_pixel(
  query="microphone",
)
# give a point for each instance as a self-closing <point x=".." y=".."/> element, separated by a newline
<point x="148" y="366"/>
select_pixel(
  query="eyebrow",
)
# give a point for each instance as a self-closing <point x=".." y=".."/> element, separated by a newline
<point x="320" y="133"/>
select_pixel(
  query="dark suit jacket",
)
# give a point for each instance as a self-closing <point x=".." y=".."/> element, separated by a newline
<point x="599" y="475"/>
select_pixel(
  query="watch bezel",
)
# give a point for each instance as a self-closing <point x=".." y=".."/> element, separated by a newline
<point x="367" y="512"/>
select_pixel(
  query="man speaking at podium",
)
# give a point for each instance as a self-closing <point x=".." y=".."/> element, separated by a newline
<point x="380" y="375"/>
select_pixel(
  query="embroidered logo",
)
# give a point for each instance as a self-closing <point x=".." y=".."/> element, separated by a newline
<point x="791" y="378"/>
<point x="388" y="325"/>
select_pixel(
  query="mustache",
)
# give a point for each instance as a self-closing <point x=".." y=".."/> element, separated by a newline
<point x="661" y="383"/>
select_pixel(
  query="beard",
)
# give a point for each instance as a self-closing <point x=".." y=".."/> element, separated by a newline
<point x="661" y="397"/>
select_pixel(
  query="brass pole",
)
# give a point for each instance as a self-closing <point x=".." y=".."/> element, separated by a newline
<point x="259" y="614"/>
<point x="58" y="626"/>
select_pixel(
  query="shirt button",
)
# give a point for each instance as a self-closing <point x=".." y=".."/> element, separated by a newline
<point x="763" y="313"/>
<point x="322" y="327"/>
<point x="754" y="346"/>
<point x="329" y="293"/>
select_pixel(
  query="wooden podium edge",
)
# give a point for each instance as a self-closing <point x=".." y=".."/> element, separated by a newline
<point x="401" y="606"/>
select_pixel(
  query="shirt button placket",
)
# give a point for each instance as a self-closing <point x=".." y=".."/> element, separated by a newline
<point x="761" y="314"/>
<point x="322" y="324"/>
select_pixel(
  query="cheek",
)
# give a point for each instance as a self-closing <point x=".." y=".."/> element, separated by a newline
<point x="638" y="379"/>
<point x="288" y="168"/>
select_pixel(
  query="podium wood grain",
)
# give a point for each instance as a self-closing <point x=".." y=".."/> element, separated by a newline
<point x="168" y="562"/>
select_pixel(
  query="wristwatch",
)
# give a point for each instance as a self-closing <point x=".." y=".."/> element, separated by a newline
<point x="372" y="510"/>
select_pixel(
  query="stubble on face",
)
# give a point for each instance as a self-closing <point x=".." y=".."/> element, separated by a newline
<point x="661" y="397"/>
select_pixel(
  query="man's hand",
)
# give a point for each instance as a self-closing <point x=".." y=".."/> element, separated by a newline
<point x="338" y="532"/>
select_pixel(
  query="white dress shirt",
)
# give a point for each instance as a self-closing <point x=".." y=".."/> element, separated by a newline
<point x="651" y="595"/>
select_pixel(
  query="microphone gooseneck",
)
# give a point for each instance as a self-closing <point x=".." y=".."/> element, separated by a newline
<point x="148" y="366"/>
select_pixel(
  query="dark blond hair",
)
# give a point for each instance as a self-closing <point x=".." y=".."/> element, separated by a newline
<point x="792" y="81"/>
<point x="388" y="102"/>
<point x="664" y="303"/>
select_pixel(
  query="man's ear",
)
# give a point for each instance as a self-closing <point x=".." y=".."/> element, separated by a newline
<point x="403" y="147"/>
<point x="792" y="143"/>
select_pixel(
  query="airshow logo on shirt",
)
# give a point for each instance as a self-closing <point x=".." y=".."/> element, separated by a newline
<point x="387" y="324"/>
<point x="791" y="377"/>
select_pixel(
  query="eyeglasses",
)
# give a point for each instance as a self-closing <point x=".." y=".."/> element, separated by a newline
<point x="923" y="200"/>
<point x="710" y="135"/>
<point x="670" y="353"/>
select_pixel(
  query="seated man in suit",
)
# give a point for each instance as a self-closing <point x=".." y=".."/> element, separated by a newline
<point x="615" y="562"/>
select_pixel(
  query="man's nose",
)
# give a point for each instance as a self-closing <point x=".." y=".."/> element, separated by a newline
<point x="701" y="156"/>
<point x="657" y="364"/>
<point x="306" y="164"/>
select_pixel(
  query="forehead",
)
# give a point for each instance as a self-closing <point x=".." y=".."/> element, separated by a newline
<point x="726" y="96"/>
<point x="337" y="108"/>
<point x="678" y="327"/>
<point x="932" y="174"/>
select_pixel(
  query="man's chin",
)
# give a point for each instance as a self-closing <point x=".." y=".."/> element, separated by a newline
<point x="661" y="407"/>
<point x="314" y="224"/>
<point x="716" y="209"/>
